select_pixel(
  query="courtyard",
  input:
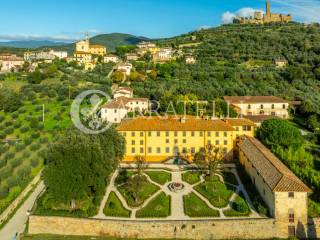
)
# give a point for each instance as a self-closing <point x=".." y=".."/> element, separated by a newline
<point x="172" y="192"/>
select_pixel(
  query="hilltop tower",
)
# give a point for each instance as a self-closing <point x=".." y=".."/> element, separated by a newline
<point x="268" y="8"/>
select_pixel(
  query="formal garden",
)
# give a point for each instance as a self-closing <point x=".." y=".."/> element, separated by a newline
<point x="169" y="193"/>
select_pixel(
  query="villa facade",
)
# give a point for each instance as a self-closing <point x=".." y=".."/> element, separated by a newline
<point x="160" y="139"/>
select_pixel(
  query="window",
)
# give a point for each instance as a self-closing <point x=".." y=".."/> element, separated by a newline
<point x="184" y="150"/>
<point x="149" y="149"/>
<point x="167" y="150"/>
<point x="141" y="142"/>
<point x="175" y="133"/>
<point x="225" y="151"/>
<point x="133" y="150"/>
<point x="291" y="216"/>
<point x="237" y="129"/>
<point x="193" y="150"/>
<point x="217" y="142"/>
<point x="133" y="142"/>
<point x="167" y="140"/>
<point x="115" y="119"/>
<point x="167" y="134"/>
<point x="192" y="134"/>
<point x="158" y="150"/>
<point x="291" y="194"/>
<point x="246" y="128"/>
<point x="115" y="111"/>
<point x="200" y="134"/>
<point x="141" y="134"/>
<point x="225" y="142"/>
<point x="284" y="106"/>
<point x="184" y="141"/>
<point x="249" y="106"/>
<point x="184" y="133"/>
<point x="272" y="106"/>
<point x="217" y="134"/>
<point x="225" y="134"/>
<point x="208" y="142"/>
<point x="124" y="134"/>
<point x="158" y="134"/>
<point x="273" y="113"/>
<point x="261" y="106"/>
<point x="141" y="150"/>
<point x="176" y="141"/>
<point x="209" y="134"/>
<point x="133" y="134"/>
<point x="149" y="134"/>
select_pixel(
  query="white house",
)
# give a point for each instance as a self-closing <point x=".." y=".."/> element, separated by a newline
<point x="132" y="57"/>
<point x="164" y="54"/>
<point x="111" y="58"/>
<point x="124" y="67"/>
<point x="10" y="62"/>
<point x="123" y="92"/>
<point x="117" y="109"/>
<point x="59" y="54"/>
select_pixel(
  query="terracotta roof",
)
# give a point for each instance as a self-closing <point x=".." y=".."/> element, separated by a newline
<point x="276" y="175"/>
<point x="254" y="99"/>
<point x="171" y="123"/>
<point x="239" y="122"/>
<point x="122" y="101"/>
<point x="97" y="46"/>
<point x="81" y="52"/>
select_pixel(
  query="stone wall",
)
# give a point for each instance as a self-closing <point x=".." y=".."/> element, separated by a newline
<point x="202" y="229"/>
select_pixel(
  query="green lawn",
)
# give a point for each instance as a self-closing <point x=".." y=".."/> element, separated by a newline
<point x="145" y="191"/>
<point x="239" y="208"/>
<point x="195" y="207"/>
<point x="160" y="177"/>
<point x="114" y="207"/>
<point x="191" y="177"/>
<point x="157" y="208"/>
<point x="216" y="192"/>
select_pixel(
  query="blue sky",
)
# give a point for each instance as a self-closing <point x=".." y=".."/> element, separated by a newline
<point x="69" y="19"/>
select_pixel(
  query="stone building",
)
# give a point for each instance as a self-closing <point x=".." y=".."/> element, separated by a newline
<point x="268" y="17"/>
<point x="259" y="105"/>
<point x="285" y="194"/>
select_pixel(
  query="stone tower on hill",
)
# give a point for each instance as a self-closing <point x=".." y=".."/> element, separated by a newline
<point x="268" y="17"/>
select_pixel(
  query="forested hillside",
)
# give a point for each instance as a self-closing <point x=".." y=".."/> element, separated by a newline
<point x="239" y="60"/>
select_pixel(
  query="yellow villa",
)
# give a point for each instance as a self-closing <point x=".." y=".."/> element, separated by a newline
<point x="159" y="139"/>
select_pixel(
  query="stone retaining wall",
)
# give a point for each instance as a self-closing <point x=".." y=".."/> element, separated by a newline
<point x="204" y="229"/>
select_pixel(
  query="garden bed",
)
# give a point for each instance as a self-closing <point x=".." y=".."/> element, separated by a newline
<point x="195" y="207"/>
<point x="114" y="207"/>
<point x="159" y="207"/>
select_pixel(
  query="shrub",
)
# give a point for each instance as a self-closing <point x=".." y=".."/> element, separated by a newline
<point x="2" y="135"/>
<point x="38" y="108"/>
<point x="9" y="155"/>
<point x="3" y="148"/>
<point x="3" y="162"/>
<point x="4" y="191"/>
<point x="22" y="110"/>
<point x="9" y="130"/>
<point x="34" y="101"/>
<point x="34" y="123"/>
<point x="57" y="117"/>
<point x="1" y="118"/>
<point x="20" y="146"/>
<point x="35" y="135"/>
<point x="42" y="153"/>
<point x="8" y="123"/>
<point x="17" y="124"/>
<point x="2" y="127"/>
<point x="40" y="127"/>
<point x="27" y="141"/>
<point x="15" y="162"/>
<point x="26" y="154"/>
<point x="34" y="162"/>
<point x="27" y="118"/>
<point x="240" y="206"/>
<point x="24" y="174"/>
<point x="12" y="181"/>
<point x="44" y="140"/>
<point x="24" y="129"/>
<point x="5" y="172"/>
<point x="35" y="146"/>
<point x="14" y="115"/>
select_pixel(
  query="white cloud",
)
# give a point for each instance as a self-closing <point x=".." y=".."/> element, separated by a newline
<point x="35" y="37"/>
<point x="247" y="12"/>
<point x="227" y="17"/>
